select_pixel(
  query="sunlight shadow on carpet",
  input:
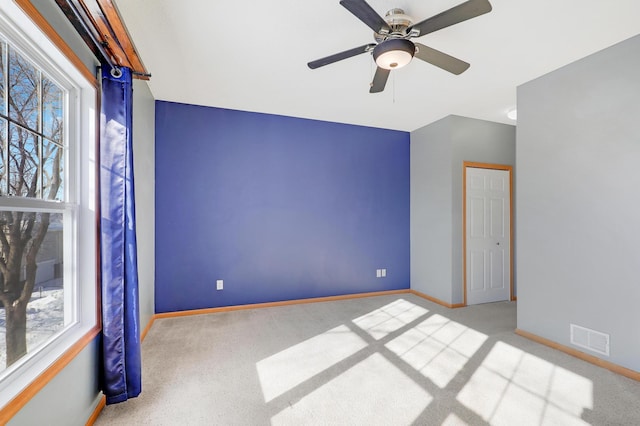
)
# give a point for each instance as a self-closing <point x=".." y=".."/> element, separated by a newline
<point x="387" y="344"/>
<point x="438" y="348"/>
<point x="367" y="393"/>
<point x="389" y="318"/>
<point x="453" y="420"/>
<point x="283" y="371"/>
<point x="511" y="383"/>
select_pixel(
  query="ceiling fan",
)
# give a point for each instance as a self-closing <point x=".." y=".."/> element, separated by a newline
<point x="394" y="49"/>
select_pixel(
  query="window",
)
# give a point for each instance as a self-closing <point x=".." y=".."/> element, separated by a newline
<point x="47" y="209"/>
<point x="32" y="142"/>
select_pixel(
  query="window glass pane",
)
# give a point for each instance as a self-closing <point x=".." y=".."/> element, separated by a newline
<point x="23" y="163"/>
<point x="3" y="49"/>
<point x="52" y="101"/>
<point x="23" y="91"/>
<point x="3" y="151"/>
<point x="33" y="319"/>
<point x="52" y="171"/>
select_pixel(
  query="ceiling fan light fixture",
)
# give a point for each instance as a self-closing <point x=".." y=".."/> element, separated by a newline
<point x="394" y="53"/>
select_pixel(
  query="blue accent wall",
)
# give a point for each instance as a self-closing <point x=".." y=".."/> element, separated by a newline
<point x="280" y="208"/>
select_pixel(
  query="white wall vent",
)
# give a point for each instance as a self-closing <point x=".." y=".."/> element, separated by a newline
<point x="590" y="339"/>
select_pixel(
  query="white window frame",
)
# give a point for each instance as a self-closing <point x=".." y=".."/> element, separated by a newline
<point x="80" y="188"/>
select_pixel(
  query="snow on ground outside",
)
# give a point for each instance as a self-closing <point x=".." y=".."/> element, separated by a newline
<point x="45" y="317"/>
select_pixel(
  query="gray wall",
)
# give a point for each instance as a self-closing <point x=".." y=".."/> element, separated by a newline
<point x="69" y="398"/>
<point x="437" y="154"/>
<point x="431" y="215"/>
<point x="144" y="175"/>
<point x="578" y="159"/>
<point x="73" y="394"/>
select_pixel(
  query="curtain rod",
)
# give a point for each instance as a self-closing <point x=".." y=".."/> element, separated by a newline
<point x="115" y="69"/>
<point x="141" y="74"/>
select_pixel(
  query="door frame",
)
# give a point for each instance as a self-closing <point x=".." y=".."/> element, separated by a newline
<point x="490" y="166"/>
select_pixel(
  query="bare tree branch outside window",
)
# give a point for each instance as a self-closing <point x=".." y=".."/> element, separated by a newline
<point x="32" y="167"/>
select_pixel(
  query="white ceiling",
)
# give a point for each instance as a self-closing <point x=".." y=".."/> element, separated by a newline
<point x="252" y="55"/>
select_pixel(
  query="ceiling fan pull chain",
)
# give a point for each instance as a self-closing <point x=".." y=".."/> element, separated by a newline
<point x="394" y="87"/>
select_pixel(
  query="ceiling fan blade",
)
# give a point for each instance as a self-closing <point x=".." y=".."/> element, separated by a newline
<point x="379" y="80"/>
<point x="340" y="56"/>
<point x="462" y="12"/>
<point x="366" y="14"/>
<point x="440" y="59"/>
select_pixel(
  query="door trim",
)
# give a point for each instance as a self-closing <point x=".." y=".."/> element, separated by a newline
<point x="476" y="165"/>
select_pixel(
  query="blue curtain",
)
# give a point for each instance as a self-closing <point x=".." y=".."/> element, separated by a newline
<point x="121" y="366"/>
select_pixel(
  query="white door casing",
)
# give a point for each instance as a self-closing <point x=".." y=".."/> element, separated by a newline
<point x="488" y="235"/>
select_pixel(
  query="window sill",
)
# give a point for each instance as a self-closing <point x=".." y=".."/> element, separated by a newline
<point x="36" y="384"/>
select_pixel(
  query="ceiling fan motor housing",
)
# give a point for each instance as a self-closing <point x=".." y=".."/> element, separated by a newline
<point x="398" y="23"/>
<point x="394" y="53"/>
<point x="397" y="20"/>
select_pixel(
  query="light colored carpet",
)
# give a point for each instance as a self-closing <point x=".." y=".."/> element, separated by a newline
<point x="387" y="360"/>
